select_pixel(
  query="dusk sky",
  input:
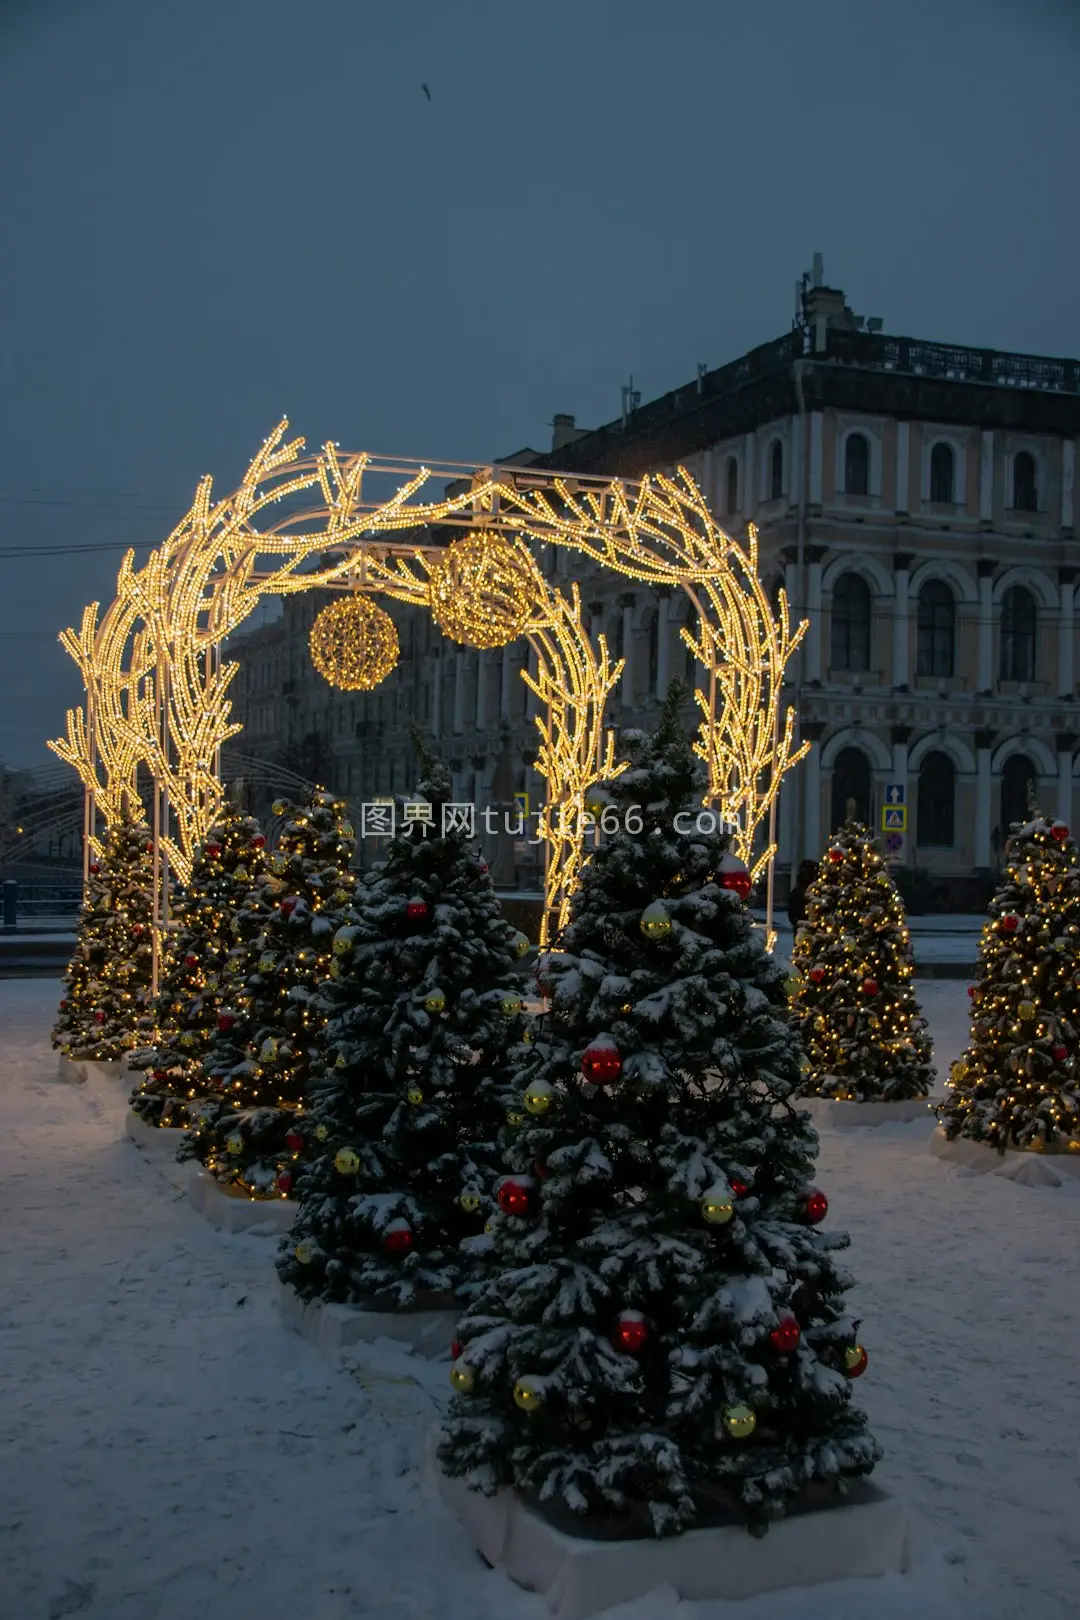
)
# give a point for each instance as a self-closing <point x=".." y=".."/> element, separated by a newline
<point x="217" y="213"/>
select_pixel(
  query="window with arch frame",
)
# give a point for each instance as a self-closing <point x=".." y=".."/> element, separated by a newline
<point x="851" y="787"/>
<point x="1019" y="781"/>
<point x="1019" y="628"/>
<point x="856" y="464"/>
<point x="776" y="470"/>
<point x="731" y="486"/>
<point x="850" y="630"/>
<point x="937" y="630"/>
<point x="1025" y="482"/>
<point x="935" y="821"/>
<point x="942" y="473"/>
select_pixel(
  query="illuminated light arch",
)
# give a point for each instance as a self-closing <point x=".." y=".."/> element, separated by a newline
<point x="157" y="685"/>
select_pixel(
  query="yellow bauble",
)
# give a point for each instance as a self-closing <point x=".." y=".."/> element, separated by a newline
<point x="739" y="1421"/>
<point x="279" y="807"/>
<point x="717" y="1205"/>
<point x="335" y="968"/>
<point x="234" y="1144"/>
<point x="884" y="879"/>
<point x="347" y="829"/>
<point x="958" y="1072"/>
<point x="489" y="1226"/>
<point x="342" y="944"/>
<point x="792" y="986"/>
<point x="470" y="1202"/>
<point x="520" y="944"/>
<point x="346" y="1161"/>
<point x="321" y="1132"/>
<point x="279" y="864"/>
<point x="462" y="1377"/>
<point x="1026" y="1009"/>
<point x="820" y="1023"/>
<point x="354" y="645"/>
<point x="514" y="1118"/>
<point x="539" y="1097"/>
<point x="268" y="1050"/>
<point x="266" y="963"/>
<point x="304" y="1253"/>
<point x="529" y="1394"/>
<point x="434" y="1001"/>
<point x="510" y="1006"/>
<point x="597" y="800"/>
<point x="414" y="1095"/>
<point x="241" y="872"/>
<point x="655" y="922"/>
<point x="339" y="1062"/>
<point x="187" y="1040"/>
<point x="481" y="590"/>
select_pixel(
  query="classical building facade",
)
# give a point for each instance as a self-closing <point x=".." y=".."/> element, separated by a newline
<point x="916" y="501"/>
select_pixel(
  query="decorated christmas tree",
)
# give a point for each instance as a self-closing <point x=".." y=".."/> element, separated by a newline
<point x="108" y="981"/>
<point x="404" y="1121"/>
<point x="663" y="1320"/>
<point x="259" y="1061"/>
<point x="185" y="1015"/>
<point x="1018" y="1083"/>
<point x="865" y="1037"/>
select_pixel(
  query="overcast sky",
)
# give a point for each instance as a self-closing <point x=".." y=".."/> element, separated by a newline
<point x="219" y="212"/>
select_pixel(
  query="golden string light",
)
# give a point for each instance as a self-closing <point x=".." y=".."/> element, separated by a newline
<point x="157" y="687"/>
<point x="481" y="590"/>
<point x="354" y="644"/>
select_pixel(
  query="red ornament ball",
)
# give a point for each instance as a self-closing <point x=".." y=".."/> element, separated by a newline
<point x="513" y="1198"/>
<point x="973" y="991"/>
<point x="855" y="1360"/>
<point x="94" y="868"/>
<point x="1010" y="923"/>
<point x="416" y="910"/>
<point x="836" y="853"/>
<point x="258" y="842"/>
<point x="738" y="1186"/>
<point x="542" y="1171"/>
<point x="816" y="975"/>
<point x="455" y="1349"/>
<point x="735" y="875"/>
<point x="870" y="987"/>
<point x="815" y="1206"/>
<point x="398" y="1237"/>
<point x="601" y="1062"/>
<point x="99" y="1016"/>
<point x="1059" y="832"/>
<point x="481" y="866"/>
<point x="191" y="961"/>
<point x="285" y="1181"/>
<point x="63" y="1006"/>
<point x="294" y="1141"/>
<point x="785" y="1337"/>
<point x="1059" y="1053"/>
<point x="631" y="1331"/>
<point x="213" y="850"/>
<point x="289" y="905"/>
<point x="149" y="849"/>
<point x="225" y="1022"/>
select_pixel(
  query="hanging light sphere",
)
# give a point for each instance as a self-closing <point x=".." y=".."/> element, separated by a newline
<point x="735" y="875"/>
<point x="631" y="1331"/>
<point x="655" y="922"/>
<point x="601" y="1062"/>
<point x="539" y="1096"/>
<point x="528" y="1394"/>
<point x="346" y="1161"/>
<point x="739" y="1421"/>
<point x="855" y="1360"/>
<point x="815" y="1206"/>
<point x="481" y="591"/>
<point x="717" y="1206"/>
<point x="785" y="1337"/>
<point x="354" y="644"/>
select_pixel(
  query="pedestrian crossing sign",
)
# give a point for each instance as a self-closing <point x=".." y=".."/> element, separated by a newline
<point x="894" y="818"/>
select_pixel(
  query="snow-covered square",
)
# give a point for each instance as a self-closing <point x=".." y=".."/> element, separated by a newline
<point x="171" y="1447"/>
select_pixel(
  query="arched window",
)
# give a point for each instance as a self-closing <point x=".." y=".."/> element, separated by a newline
<point x="689" y="661"/>
<point x="1019" y="621"/>
<point x="731" y="486"/>
<point x="776" y="470"/>
<point x="850" y="787"/>
<point x="654" y="649"/>
<point x="935" y="826"/>
<point x="937" y="629"/>
<point x="850" y="623"/>
<point x="1018" y="781"/>
<point x="857" y="464"/>
<point x="1025" y="491"/>
<point x="619" y="638"/>
<point x="942" y="472"/>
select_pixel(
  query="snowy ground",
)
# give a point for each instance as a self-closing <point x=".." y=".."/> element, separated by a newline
<point x="170" y="1449"/>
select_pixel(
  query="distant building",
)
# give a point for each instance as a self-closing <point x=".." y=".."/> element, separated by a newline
<point x="915" y="499"/>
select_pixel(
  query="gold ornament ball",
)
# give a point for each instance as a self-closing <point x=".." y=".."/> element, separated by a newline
<point x="470" y="1202"/>
<point x="489" y="1226"/>
<point x="514" y="1118"/>
<point x="539" y="1096"/>
<point x="1026" y="1009"/>
<point x="434" y="1001"/>
<point x="268" y="1051"/>
<point x="511" y="1006"/>
<point x="321" y="1133"/>
<point x="655" y="922"/>
<point x="304" y="1253"/>
<point x="528" y="1394"/>
<point x="717" y="1207"/>
<point x="739" y="1421"/>
<point x="481" y="591"/>
<point x="266" y="963"/>
<point x="414" y="1095"/>
<point x="820" y="1023"/>
<point x="354" y="644"/>
<point x="462" y="1377"/>
<point x="342" y="945"/>
<point x="520" y="944"/>
<point x="854" y="1355"/>
<point x="346" y="1161"/>
<point x="234" y="1144"/>
<point x="340" y="1062"/>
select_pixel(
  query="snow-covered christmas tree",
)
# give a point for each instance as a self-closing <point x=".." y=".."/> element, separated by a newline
<point x="865" y="1037"/>
<point x="108" y="982"/>
<point x="404" y="1120"/>
<point x="227" y="864"/>
<point x="260" y="1056"/>
<point x="664" y="1317"/>
<point x="1018" y="1083"/>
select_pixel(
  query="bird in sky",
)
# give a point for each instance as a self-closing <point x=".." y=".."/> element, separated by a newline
<point x="426" y="91"/>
